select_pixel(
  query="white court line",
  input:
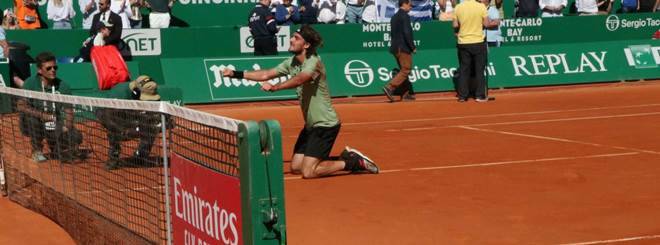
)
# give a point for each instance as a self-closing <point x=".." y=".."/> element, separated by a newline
<point x="637" y="238"/>
<point x="568" y="119"/>
<point x="500" y="115"/>
<point x="527" y="122"/>
<point x="488" y="164"/>
<point x="559" y="139"/>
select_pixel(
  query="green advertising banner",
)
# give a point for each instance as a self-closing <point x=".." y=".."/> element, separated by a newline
<point x="571" y="29"/>
<point x="355" y="74"/>
<point x="202" y="82"/>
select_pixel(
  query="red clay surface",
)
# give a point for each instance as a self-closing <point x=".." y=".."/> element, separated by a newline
<point x="22" y="226"/>
<point x="558" y="165"/>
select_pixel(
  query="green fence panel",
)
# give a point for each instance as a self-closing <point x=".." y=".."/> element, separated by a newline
<point x="5" y="101"/>
<point x="262" y="183"/>
<point x="576" y="29"/>
<point x="202" y="81"/>
<point x="354" y="74"/>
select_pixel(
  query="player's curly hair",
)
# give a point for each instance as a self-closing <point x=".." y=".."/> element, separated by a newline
<point x="312" y="37"/>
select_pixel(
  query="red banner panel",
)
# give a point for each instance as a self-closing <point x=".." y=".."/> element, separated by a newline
<point x="206" y="205"/>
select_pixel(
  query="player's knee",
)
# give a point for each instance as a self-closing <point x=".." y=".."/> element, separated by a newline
<point x="295" y="168"/>
<point x="308" y="173"/>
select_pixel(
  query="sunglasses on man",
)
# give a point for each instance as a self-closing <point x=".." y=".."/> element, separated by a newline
<point x="50" y="68"/>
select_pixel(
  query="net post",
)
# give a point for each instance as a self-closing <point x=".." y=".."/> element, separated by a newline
<point x="262" y="183"/>
<point x="166" y="178"/>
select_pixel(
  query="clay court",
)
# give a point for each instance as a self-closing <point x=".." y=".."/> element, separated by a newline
<point x="553" y="165"/>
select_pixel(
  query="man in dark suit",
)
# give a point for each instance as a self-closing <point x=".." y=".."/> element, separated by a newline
<point x="403" y="46"/>
<point x="107" y="16"/>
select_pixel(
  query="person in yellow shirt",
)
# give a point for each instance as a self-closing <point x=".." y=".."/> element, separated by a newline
<point x="470" y="18"/>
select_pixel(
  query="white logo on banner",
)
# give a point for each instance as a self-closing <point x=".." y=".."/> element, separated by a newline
<point x="247" y="43"/>
<point x="642" y="56"/>
<point x="612" y="23"/>
<point x="143" y="42"/>
<point x="360" y="74"/>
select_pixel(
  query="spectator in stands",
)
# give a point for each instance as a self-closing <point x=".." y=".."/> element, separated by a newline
<point x="552" y="8"/>
<point x="61" y="13"/>
<point x="493" y="34"/>
<point x="123" y="9"/>
<point x="88" y="8"/>
<point x="26" y="13"/>
<point x="646" y="6"/>
<point x="527" y="8"/>
<point x="160" y="13"/>
<point x="331" y="12"/>
<point x="586" y="7"/>
<point x="403" y="47"/>
<point x="469" y="21"/>
<point x="604" y="7"/>
<point x="9" y="21"/>
<point x="629" y="6"/>
<point x="657" y="6"/>
<point x="104" y="32"/>
<point x="136" y="16"/>
<point x="369" y="14"/>
<point x="125" y="124"/>
<point x="48" y="120"/>
<point x="4" y="47"/>
<point x="287" y="13"/>
<point x="308" y="13"/>
<point x="354" y="11"/>
<point x="446" y="10"/>
<point x="107" y="16"/>
<point x="263" y="28"/>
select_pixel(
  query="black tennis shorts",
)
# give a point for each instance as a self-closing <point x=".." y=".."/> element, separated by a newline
<point x="316" y="142"/>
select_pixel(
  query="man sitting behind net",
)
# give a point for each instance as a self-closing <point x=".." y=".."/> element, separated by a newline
<point x="127" y="124"/>
<point x="48" y="120"/>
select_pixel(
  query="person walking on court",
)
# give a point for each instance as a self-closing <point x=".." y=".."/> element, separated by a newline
<point x="469" y="21"/>
<point x="263" y="28"/>
<point x="308" y="77"/>
<point x="403" y="46"/>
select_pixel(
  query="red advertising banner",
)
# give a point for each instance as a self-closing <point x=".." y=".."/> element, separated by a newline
<point x="206" y="205"/>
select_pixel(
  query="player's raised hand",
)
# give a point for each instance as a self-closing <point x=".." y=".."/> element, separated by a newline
<point x="265" y="86"/>
<point x="227" y="72"/>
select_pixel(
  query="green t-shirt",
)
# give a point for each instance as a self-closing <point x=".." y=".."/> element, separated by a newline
<point x="120" y="91"/>
<point x="314" y="95"/>
<point x="59" y="87"/>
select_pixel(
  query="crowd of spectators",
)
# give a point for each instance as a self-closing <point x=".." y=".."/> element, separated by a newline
<point x="25" y="14"/>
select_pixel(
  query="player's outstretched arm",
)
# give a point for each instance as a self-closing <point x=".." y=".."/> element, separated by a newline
<point x="260" y="75"/>
<point x="296" y="81"/>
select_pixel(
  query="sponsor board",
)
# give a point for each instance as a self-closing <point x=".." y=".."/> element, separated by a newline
<point x="558" y="63"/>
<point x="206" y="205"/>
<point x="224" y="88"/>
<point x="643" y="56"/>
<point x="143" y="42"/>
<point x="283" y="37"/>
<point x="614" y="22"/>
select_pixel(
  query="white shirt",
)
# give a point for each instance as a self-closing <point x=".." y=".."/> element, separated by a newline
<point x="551" y="3"/>
<point x="64" y="12"/>
<point x="87" y="17"/>
<point x="586" y="6"/>
<point x="369" y="14"/>
<point x="124" y="11"/>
